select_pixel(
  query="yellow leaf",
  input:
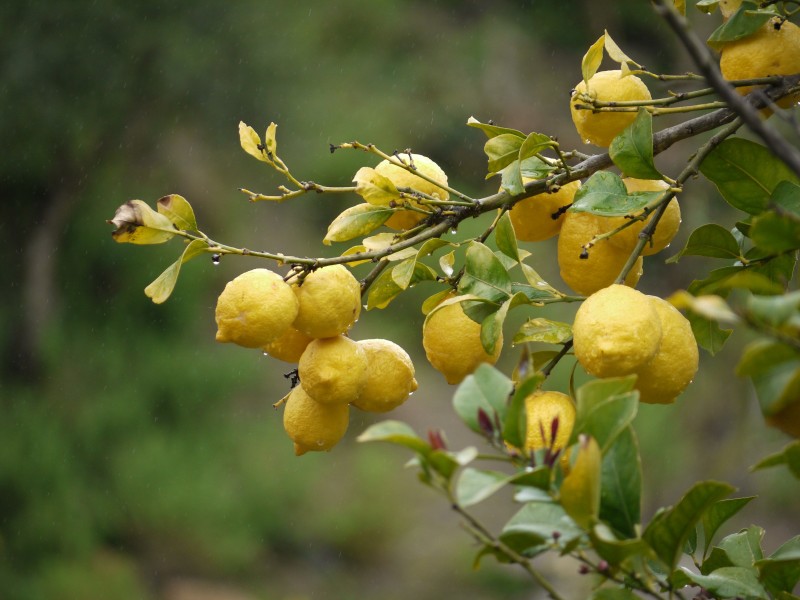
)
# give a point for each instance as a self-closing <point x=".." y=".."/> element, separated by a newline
<point x="592" y="59"/>
<point x="616" y="53"/>
<point x="270" y="143"/>
<point x="580" y="491"/>
<point x="137" y="223"/>
<point x="374" y="188"/>
<point x="250" y="142"/>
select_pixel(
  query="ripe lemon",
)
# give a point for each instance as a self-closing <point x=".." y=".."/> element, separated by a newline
<point x="769" y="51"/>
<point x="532" y="217"/>
<point x="542" y="409"/>
<point x="667" y="226"/>
<point x="329" y="301"/>
<point x="333" y="370"/>
<point x="313" y="427"/>
<point x="452" y="343"/>
<point x="400" y="177"/>
<point x="599" y="128"/>
<point x="389" y="378"/>
<point x="616" y="331"/>
<point x="255" y="308"/>
<point x="289" y="347"/>
<point x="604" y="261"/>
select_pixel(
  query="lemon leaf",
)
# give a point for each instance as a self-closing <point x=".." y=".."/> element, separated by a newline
<point x="515" y="423"/>
<point x="743" y="23"/>
<point x="592" y="59"/>
<point x="615" y="52"/>
<point x="505" y="238"/>
<point x="484" y="274"/>
<point x="604" y="408"/>
<point x="374" y="188"/>
<point x="492" y="326"/>
<point x="356" y="221"/>
<point x="178" y="210"/>
<point x="718" y="514"/>
<point x="487" y="390"/>
<point x="270" y="143"/>
<point x="532" y="529"/>
<point x="137" y="223"/>
<point x="580" y="490"/>
<point x="707" y="6"/>
<point x="395" y="432"/>
<point x="710" y="240"/>
<point x="543" y="330"/>
<point x="161" y="288"/>
<point x="385" y="289"/>
<point x="502" y="150"/>
<point x="492" y="130"/>
<point x="632" y="150"/>
<point x="621" y="485"/>
<point x="729" y="582"/>
<point x="605" y="194"/>
<point x="251" y="142"/>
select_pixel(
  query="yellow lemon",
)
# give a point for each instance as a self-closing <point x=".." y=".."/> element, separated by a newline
<point x="333" y="370"/>
<point x="661" y="379"/>
<point x="769" y="51"/>
<point x="401" y="178"/>
<point x="542" y="410"/>
<point x="389" y="379"/>
<point x="667" y="226"/>
<point x="452" y="343"/>
<point x="602" y="263"/>
<point x="313" y="426"/>
<point x="329" y="301"/>
<point x="616" y="331"/>
<point x="599" y="128"/>
<point x="254" y="309"/>
<point x="289" y="347"/>
<point x="532" y="217"/>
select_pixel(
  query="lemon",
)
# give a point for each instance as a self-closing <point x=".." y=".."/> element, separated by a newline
<point x="667" y="226"/>
<point x="313" y="426"/>
<point x="661" y="379"/>
<point x="599" y="128"/>
<point x="289" y="347"/>
<point x="389" y="379"/>
<point x="452" y="343"/>
<point x="532" y="217"/>
<point x="255" y="308"/>
<point x="604" y="262"/>
<point x="332" y="370"/>
<point x="542" y="409"/>
<point x="400" y="177"/>
<point x="329" y="301"/>
<point x="769" y="51"/>
<point x="616" y="331"/>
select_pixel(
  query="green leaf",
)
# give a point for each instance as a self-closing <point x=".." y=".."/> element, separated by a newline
<point x="789" y="456"/>
<point x="162" y="287"/>
<point x="775" y="233"/>
<point x="251" y="142"/>
<point x="738" y="277"/>
<point x="605" y="407"/>
<point x="384" y="289"/>
<point x="592" y="59"/>
<point x="604" y="194"/>
<point x="745" y="173"/>
<point x="504" y="237"/>
<point x="729" y="582"/>
<point x="533" y="144"/>
<point x="475" y="485"/>
<point x="779" y="269"/>
<point x="613" y="594"/>
<point x="493" y="130"/>
<point x="774" y="310"/>
<point x="484" y="274"/>
<point x="515" y="421"/>
<point x="543" y="330"/>
<point x="178" y="210"/>
<point x="775" y="370"/>
<point x="710" y="240"/>
<point x="621" y="485"/>
<point x="486" y="389"/>
<point x="743" y="548"/>
<point x="535" y="168"/>
<point x="356" y="221"/>
<point x="536" y="525"/>
<point x="632" y="150"/>
<point x="395" y="432"/>
<point x="502" y="150"/>
<point x="707" y="6"/>
<point x="137" y="223"/>
<point x="374" y="188"/>
<point x="780" y="572"/>
<point x="717" y="514"/>
<point x="492" y="326"/>
<point x="668" y="531"/>
<point x="708" y="334"/>
<point x="744" y="22"/>
<point x="615" y="551"/>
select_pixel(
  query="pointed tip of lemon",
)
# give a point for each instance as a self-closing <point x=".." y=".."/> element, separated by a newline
<point x="299" y="450"/>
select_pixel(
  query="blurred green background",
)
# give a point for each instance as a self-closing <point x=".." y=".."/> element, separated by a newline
<point x="139" y="459"/>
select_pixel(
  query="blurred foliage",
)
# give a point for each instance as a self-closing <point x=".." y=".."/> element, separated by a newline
<point x="132" y="449"/>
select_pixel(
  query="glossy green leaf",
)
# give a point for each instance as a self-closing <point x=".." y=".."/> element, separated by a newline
<point x="178" y="210"/>
<point x="743" y="548"/>
<point x="484" y="274"/>
<point x="384" y="289"/>
<point x="780" y="572"/>
<point x="730" y="582"/>
<point x="502" y="150"/>
<point x="515" y="421"/>
<point x="743" y="23"/>
<point x="615" y="551"/>
<point x="493" y="130"/>
<point x="492" y="325"/>
<point x="604" y="194"/>
<point x="395" y="432"/>
<point x="535" y="168"/>
<point x="531" y="530"/>
<point x="136" y="223"/>
<point x="533" y="144"/>
<point x="708" y="334"/>
<point x="621" y="485"/>
<point x="719" y="513"/>
<point x="786" y="198"/>
<point x="475" y="485"/>
<point x="504" y="237"/>
<point x="486" y="389"/>
<point x="356" y="221"/>
<point x="374" y="188"/>
<point x="592" y="59"/>
<point x="162" y="287"/>
<point x="773" y="232"/>
<point x="543" y="330"/>
<point x="780" y="269"/>
<point x="605" y="407"/>
<point x="668" y="531"/>
<point x="745" y="173"/>
<point x="632" y="150"/>
<point x="710" y="240"/>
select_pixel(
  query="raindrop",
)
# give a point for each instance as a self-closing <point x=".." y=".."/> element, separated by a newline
<point x="453" y="231"/>
<point x="215" y="259"/>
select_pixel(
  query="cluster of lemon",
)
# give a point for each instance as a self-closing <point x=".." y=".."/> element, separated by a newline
<point x="619" y="331"/>
<point x="305" y="323"/>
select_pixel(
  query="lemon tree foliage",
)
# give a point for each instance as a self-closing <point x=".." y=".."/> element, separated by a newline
<point x="569" y="457"/>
